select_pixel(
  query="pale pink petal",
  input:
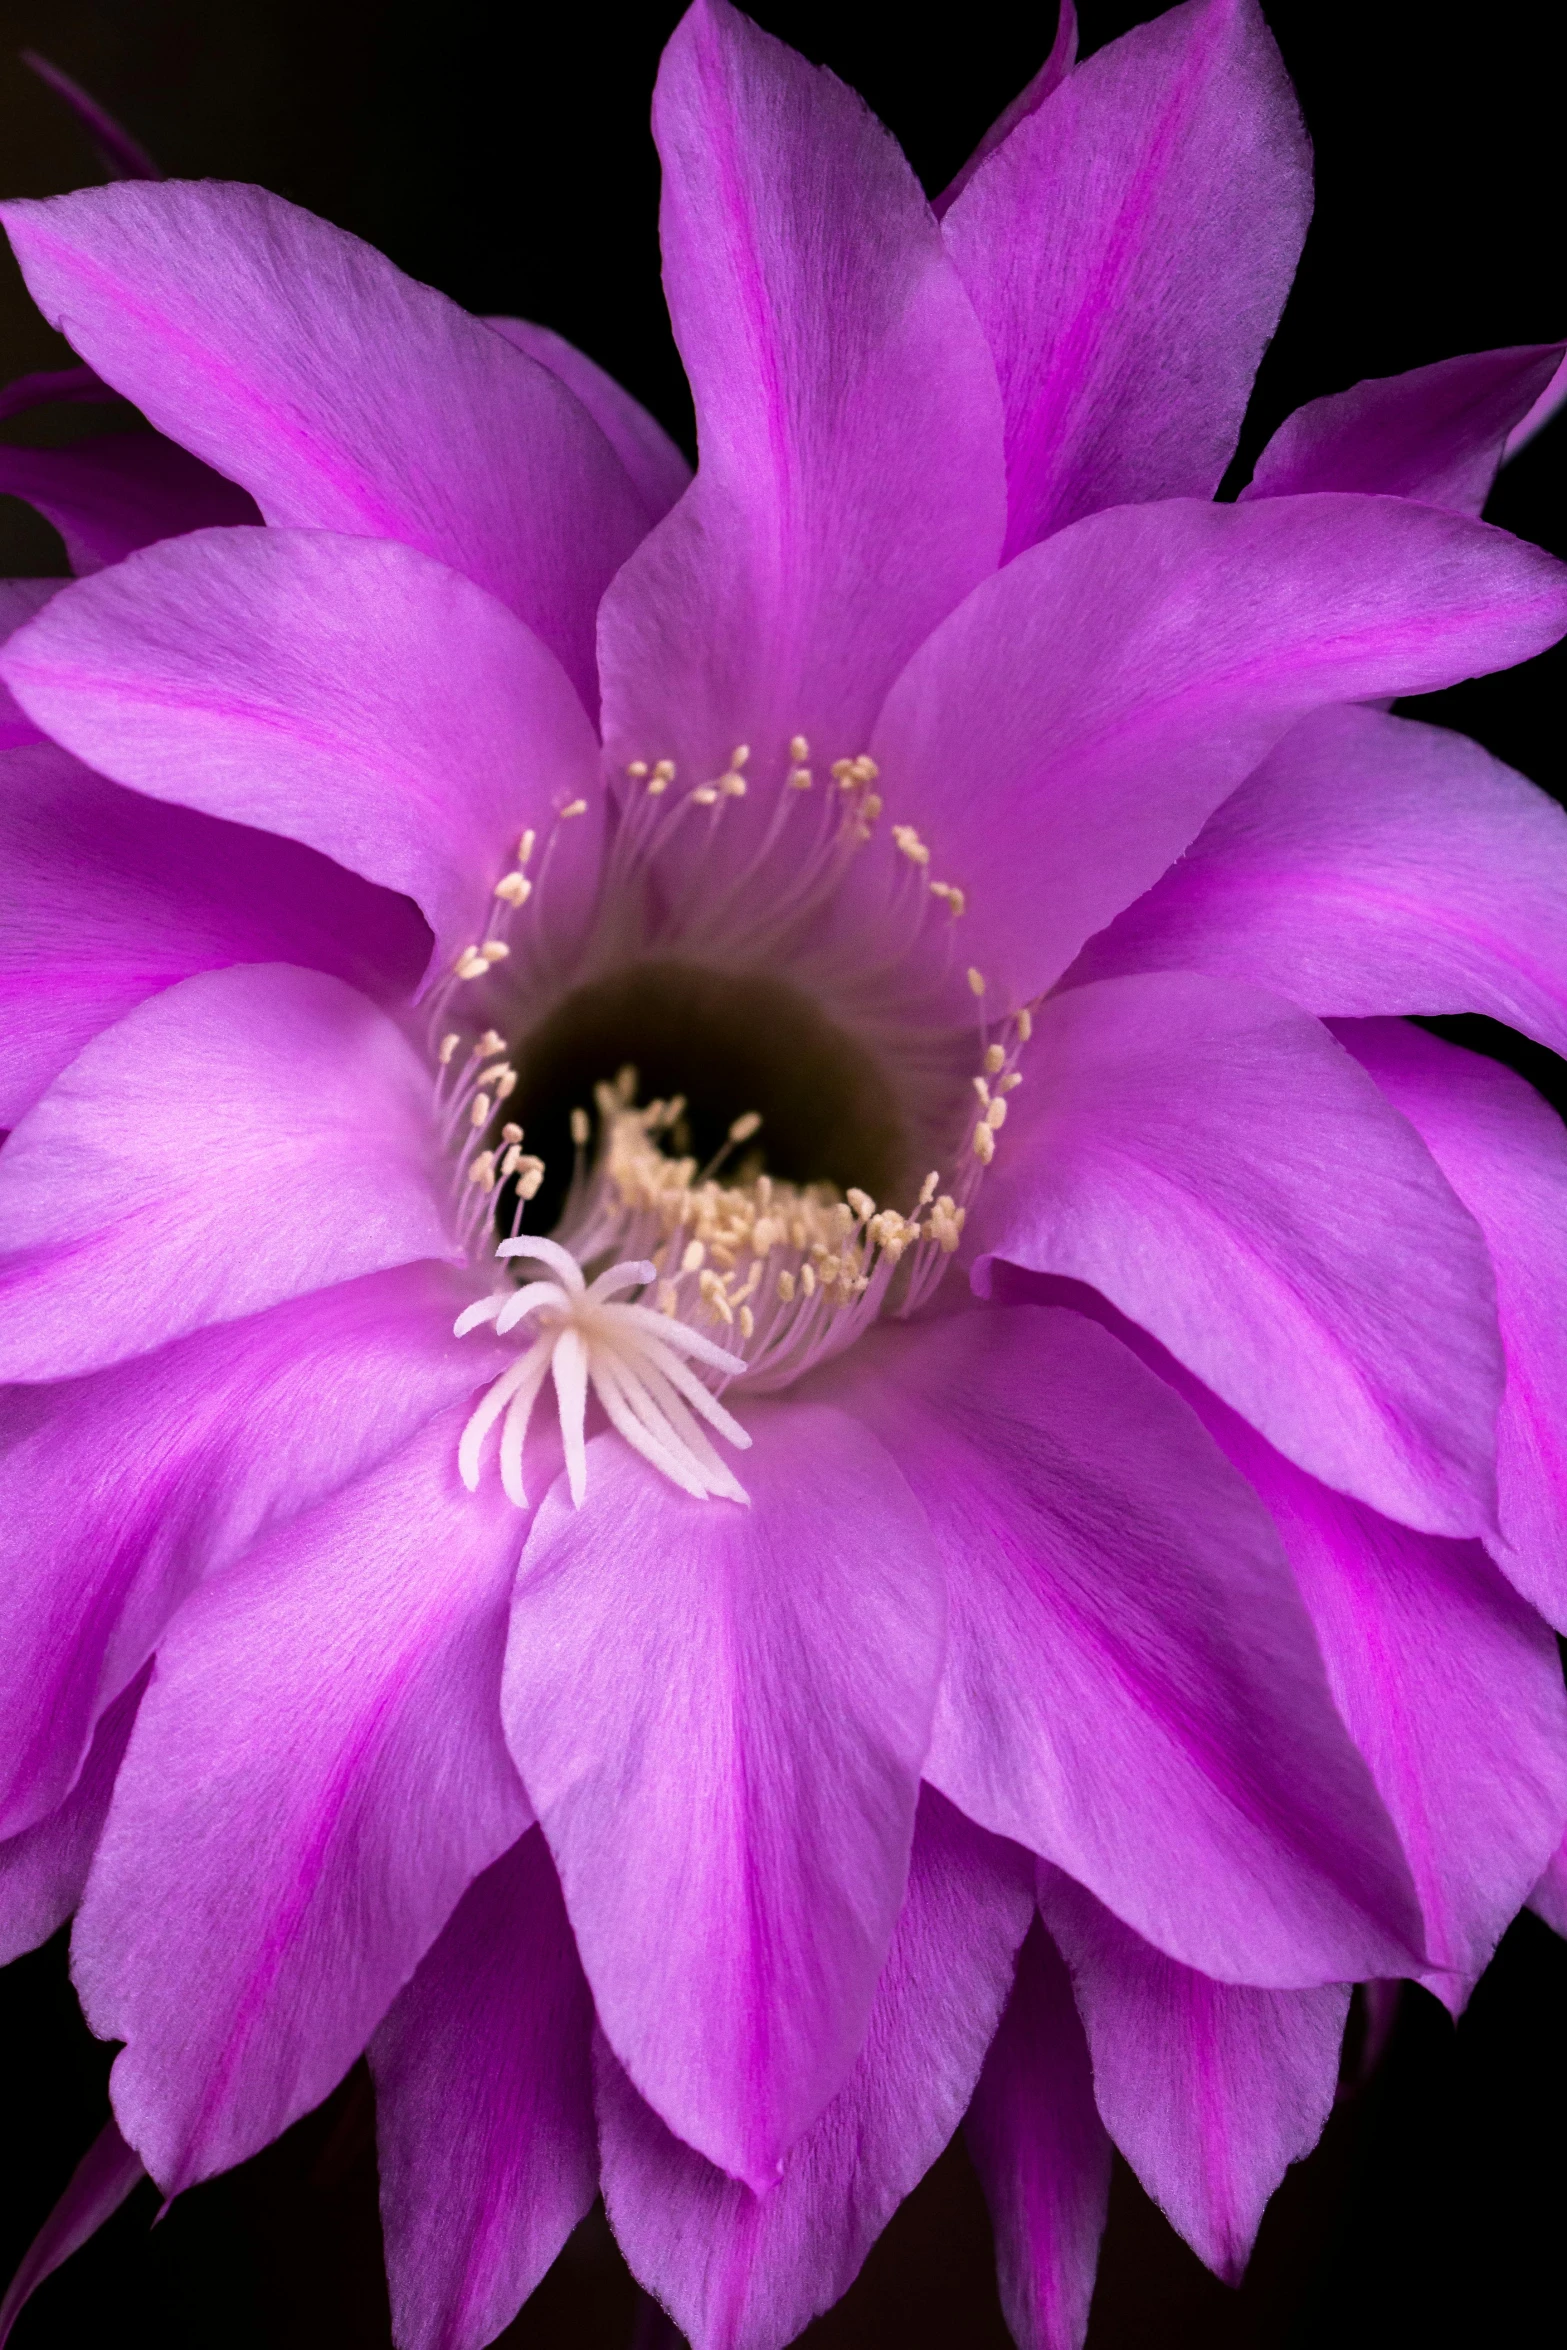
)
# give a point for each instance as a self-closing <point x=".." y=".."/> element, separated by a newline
<point x="242" y="1138"/>
<point x="98" y="2186"/>
<point x="1131" y="1687"/>
<point x="484" y="2127"/>
<point x="850" y="486"/>
<point x="1059" y="63"/>
<point x="339" y="393"/>
<point x="1042" y="2153"/>
<point x="720" y="1714"/>
<point x="1065" y="734"/>
<point x="44" y="1867"/>
<point x="347" y="692"/>
<point x="1369" y="865"/>
<point x="316" y="1775"/>
<point x="656" y="467"/>
<point x="107" y="497"/>
<point x="1125" y="290"/>
<point x="742" y="2271"/>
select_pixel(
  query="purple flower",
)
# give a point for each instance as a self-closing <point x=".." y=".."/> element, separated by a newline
<point x="734" y="1428"/>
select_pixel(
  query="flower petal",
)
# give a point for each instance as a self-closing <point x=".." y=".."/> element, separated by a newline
<point x="1209" y="2089"/>
<point x="723" y="1746"/>
<point x="658" y="470"/>
<point x="98" y="2186"/>
<point x="242" y="1138"/>
<point x="1435" y="433"/>
<point x="850" y="487"/>
<point x="1549" y="1898"/>
<point x="1132" y="1688"/>
<point x="20" y="601"/>
<point x="1059" y="63"/>
<point x="1503" y="1151"/>
<point x="1206" y="1156"/>
<point x="1369" y="865"/>
<point x="339" y="393"/>
<point x="121" y="1491"/>
<point x="44" y="1868"/>
<point x="1043" y="2156"/>
<point x="347" y="692"/>
<point x="1127" y="297"/>
<point x="107" y="896"/>
<point x="1062" y="737"/>
<point x="485" y="2137"/>
<point x="741" y="2271"/>
<point x="109" y="496"/>
<point x="326" y="1710"/>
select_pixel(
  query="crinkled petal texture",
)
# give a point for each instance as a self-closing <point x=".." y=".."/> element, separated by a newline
<point x="1131" y="1686"/>
<point x="1437" y="433"/>
<point x="1369" y="865"/>
<point x="1190" y="1148"/>
<point x="1064" y="735"/>
<point x="657" y="468"/>
<point x="1209" y="2089"/>
<point x="339" y="393"/>
<point x="1126" y="295"/>
<point x="124" y="1489"/>
<point x="107" y="897"/>
<point x="1042" y="2154"/>
<point x="243" y="1138"/>
<point x="1504" y="1153"/>
<point x="720" y="1715"/>
<point x="850" y="488"/>
<point x="316" y="1775"/>
<point x="485" y="2138"/>
<point x="349" y="693"/>
<point x="742" y="2271"/>
<point x="108" y="497"/>
<point x="44" y="1868"/>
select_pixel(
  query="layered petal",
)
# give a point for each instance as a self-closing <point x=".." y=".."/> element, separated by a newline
<point x="339" y="393"/>
<point x="1063" y="736"/>
<point x="109" y="496"/>
<point x="658" y="469"/>
<point x="242" y="1138"/>
<point x="107" y="897"/>
<point x="742" y="2271"/>
<point x="1131" y="1687"/>
<point x="1127" y="297"/>
<point x="1549" y="1898"/>
<point x="327" y="1711"/>
<point x="1369" y="865"/>
<point x="1209" y="2089"/>
<point x="20" y="600"/>
<point x="1190" y="1148"/>
<point x="347" y="692"/>
<point x="97" y="2187"/>
<point x="44" y="1868"/>
<point x="723" y="1746"/>
<point x="850" y="487"/>
<point x="121" y="1491"/>
<point x="1059" y="63"/>
<point x="1503" y="1151"/>
<point x="1043" y="2156"/>
<point x="485" y="2138"/>
<point x="1435" y="433"/>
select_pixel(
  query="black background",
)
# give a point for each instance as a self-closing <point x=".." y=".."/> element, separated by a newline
<point x="501" y="152"/>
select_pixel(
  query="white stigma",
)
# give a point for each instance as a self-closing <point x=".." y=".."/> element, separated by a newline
<point x="637" y="1363"/>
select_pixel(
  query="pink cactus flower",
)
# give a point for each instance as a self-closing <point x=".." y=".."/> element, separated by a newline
<point x="760" y="1398"/>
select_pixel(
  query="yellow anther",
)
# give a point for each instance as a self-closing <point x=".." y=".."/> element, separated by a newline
<point x="704" y="795"/>
<point x="515" y="888"/>
<point x="1025" y="1025"/>
<point x="870" y="806"/>
<point x="981" y="1088"/>
<point x="580" y="1128"/>
<point x="694" y="1258"/>
<point x="510" y="1133"/>
<point x="862" y="1203"/>
<point x="506" y="1085"/>
<point x="480" y="1111"/>
<point x="956" y="901"/>
<point x="525" y="845"/>
<point x="786" y="1288"/>
<point x="799" y="749"/>
<point x="996" y="1116"/>
<point x="574" y="808"/>
<point x="664" y="771"/>
<point x="743" y="1128"/>
<point x="799" y="779"/>
<point x="495" y="950"/>
<point x="637" y="769"/>
<point x="984" y="1144"/>
<point x="976" y="980"/>
<point x="808" y="1279"/>
<point x="449" y="1045"/>
<point x="668" y="1299"/>
<point x="732" y="785"/>
<point x="510" y="1162"/>
<point x="739" y="755"/>
<point x="489" y="1044"/>
<point x="747" y="1322"/>
<point x="928" y="1188"/>
<point x="1011" y="1082"/>
<point x="995" y="1059"/>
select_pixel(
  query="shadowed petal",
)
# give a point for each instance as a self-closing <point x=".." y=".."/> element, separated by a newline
<point x="1059" y="63"/>
<point x="740" y="2271"/>
<point x="20" y="601"/>
<point x="109" y="496"/>
<point x="1549" y="1898"/>
<point x="43" y="1869"/>
<point x="720" y="1714"/>
<point x="656" y="467"/>
<point x="316" y="1775"/>
<point x="98" y="2186"/>
<point x="485" y="2138"/>
<point x="1127" y="296"/>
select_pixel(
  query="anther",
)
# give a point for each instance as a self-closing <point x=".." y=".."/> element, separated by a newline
<point x="982" y="1089"/>
<point x="515" y="888"/>
<point x="732" y="785"/>
<point x="928" y="1188"/>
<point x="956" y="901"/>
<point x="637" y="769"/>
<point x="995" y="1058"/>
<point x="480" y="1112"/>
<point x="580" y="1128"/>
<point x="976" y="980"/>
<point x="799" y="777"/>
<point x="996" y="1115"/>
<point x="495" y="950"/>
<point x="525" y="845"/>
<point x="984" y="1144"/>
<point x="510" y="1133"/>
<point x="574" y="808"/>
<point x="910" y="844"/>
<point x="489" y="1044"/>
<point x="743" y="1128"/>
<point x="1011" y="1082"/>
<point x="694" y="1258"/>
<point x="704" y="795"/>
<point x="449" y="1045"/>
<point x="1025" y="1025"/>
<point x="799" y="749"/>
<point x="739" y="755"/>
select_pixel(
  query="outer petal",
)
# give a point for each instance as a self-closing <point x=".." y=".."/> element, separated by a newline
<point x="1549" y="1898"/>
<point x="106" y="897"/>
<point x="1206" y="1157"/>
<point x="1503" y="1151"/>
<point x="120" y="1492"/>
<point x="1127" y="296"/>
<point x="1132" y="1688"/>
<point x="44" y="1868"/>
<point x="327" y="1710"/>
<point x="349" y="693"/>
<point x="242" y="1138"/>
<point x="98" y="2186"/>
<point x="723" y="1743"/>
<point x="20" y="599"/>
<point x="1370" y="865"/>
<point x="108" y="497"/>
<point x="850" y="487"/>
<point x="1064" y="735"/>
<point x="658" y="469"/>
<point x="1042" y="2153"/>
<point x="1059" y="63"/>
<point x="1209" y="2089"/>
<point x="740" y="2271"/>
<point x="484" y="2109"/>
<point x="342" y="395"/>
<point x="1436" y="434"/>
